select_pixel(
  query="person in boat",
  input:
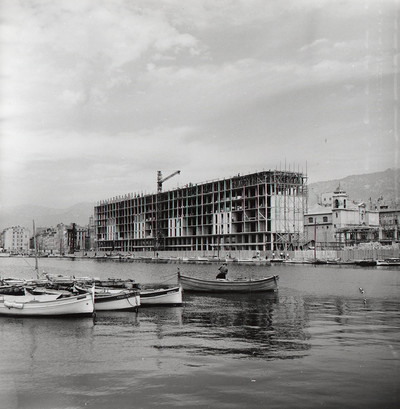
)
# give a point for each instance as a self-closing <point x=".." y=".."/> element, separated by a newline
<point x="223" y="271"/>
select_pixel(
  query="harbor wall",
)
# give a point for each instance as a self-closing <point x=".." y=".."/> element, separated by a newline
<point x="349" y="254"/>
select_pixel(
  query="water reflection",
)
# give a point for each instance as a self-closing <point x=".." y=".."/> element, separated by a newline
<point x="317" y="335"/>
<point x="241" y="326"/>
<point x="116" y="318"/>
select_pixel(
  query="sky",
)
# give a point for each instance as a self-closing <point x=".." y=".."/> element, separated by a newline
<point x="96" y="96"/>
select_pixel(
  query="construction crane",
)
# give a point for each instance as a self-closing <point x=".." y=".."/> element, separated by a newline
<point x="158" y="236"/>
<point x="161" y="180"/>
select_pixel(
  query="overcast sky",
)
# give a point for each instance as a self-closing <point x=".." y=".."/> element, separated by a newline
<point x="97" y="95"/>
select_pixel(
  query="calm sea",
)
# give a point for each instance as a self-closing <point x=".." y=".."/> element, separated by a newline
<point x="318" y="343"/>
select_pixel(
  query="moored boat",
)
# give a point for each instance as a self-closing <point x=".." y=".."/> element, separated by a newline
<point x="27" y="297"/>
<point x="123" y="300"/>
<point x="365" y="263"/>
<point x="229" y="286"/>
<point x="161" y="296"/>
<point x="253" y="260"/>
<point x="277" y="260"/>
<point x="388" y="262"/>
<point x="112" y="299"/>
<point x="79" y="305"/>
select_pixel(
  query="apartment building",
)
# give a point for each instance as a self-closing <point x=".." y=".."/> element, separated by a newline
<point x="16" y="239"/>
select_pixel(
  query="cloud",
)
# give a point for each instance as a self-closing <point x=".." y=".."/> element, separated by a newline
<point x="62" y="50"/>
<point x="107" y="92"/>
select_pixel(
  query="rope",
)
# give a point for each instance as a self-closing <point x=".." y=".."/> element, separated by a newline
<point x="136" y="303"/>
<point x="29" y="264"/>
<point x="169" y="277"/>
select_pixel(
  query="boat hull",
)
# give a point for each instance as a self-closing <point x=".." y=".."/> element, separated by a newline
<point x="76" y="305"/>
<point x="124" y="300"/>
<point x="388" y="262"/>
<point x="163" y="296"/>
<point x="227" y="286"/>
<point x="29" y="297"/>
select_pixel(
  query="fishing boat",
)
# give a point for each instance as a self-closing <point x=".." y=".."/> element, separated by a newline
<point x="30" y="305"/>
<point x="113" y="299"/>
<point x="79" y="305"/>
<point x="161" y="296"/>
<point x="123" y="300"/>
<point x="29" y="297"/>
<point x="229" y="286"/>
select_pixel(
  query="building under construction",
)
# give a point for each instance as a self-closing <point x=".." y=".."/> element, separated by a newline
<point x="260" y="212"/>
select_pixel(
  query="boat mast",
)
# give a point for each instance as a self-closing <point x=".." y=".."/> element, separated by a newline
<point x="315" y="238"/>
<point x="35" y="248"/>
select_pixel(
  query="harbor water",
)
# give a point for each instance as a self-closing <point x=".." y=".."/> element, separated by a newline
<point x="329" y="338"/>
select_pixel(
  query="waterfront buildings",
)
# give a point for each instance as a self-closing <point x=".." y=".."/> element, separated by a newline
<point x="16" y="239"/>
<point x="339" y="222"/>
<point x="389" y="220"/>
<point x="260" y="211"/>
<point x="64" y="239"/>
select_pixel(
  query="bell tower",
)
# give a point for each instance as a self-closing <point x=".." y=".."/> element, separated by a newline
<point x="339" y="198"/>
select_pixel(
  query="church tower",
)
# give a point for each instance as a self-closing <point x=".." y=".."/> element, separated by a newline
<point x="339" y="199"/>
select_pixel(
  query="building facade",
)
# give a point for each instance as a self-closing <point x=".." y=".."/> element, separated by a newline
<point x="260" y="211"/>
<point x="16" y="239"/>
<point x="77" y="238"/>
<point x="389" y="220"/>
<point x="340" y="222"/>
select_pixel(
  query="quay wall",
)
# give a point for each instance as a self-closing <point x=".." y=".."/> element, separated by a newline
<point x="344" y="255"/>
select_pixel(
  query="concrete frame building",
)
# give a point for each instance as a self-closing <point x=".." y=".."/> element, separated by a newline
<point x="261" y="211"/>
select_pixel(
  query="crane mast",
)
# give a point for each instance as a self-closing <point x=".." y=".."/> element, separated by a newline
<point x="158" y="236"/>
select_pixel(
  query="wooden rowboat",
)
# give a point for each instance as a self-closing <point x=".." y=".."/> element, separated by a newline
<point x="228" y="286"/>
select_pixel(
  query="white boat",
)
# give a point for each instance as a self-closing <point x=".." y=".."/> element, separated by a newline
<point x="78" y="305"/>
<point x="277" y="260"/>
<point x="388" y="262"/>
<point x="296" y="261"/>
<point x="161" y="296"/>
<point x="29" y="297"/>
<point x="123" y="300"/>
<point x="13" y="281"/>
<point x="253" y="260"/>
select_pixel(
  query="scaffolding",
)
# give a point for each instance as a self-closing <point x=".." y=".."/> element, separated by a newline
<point x="261" y="211"/>
<point x="289" y="202"/>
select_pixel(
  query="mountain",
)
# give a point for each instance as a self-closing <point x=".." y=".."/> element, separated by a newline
<point x="44" y="216"/>
<point x="378" y="188"/>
